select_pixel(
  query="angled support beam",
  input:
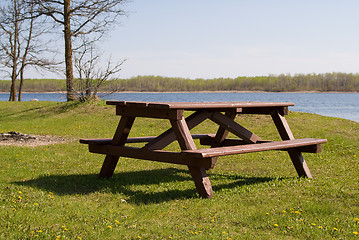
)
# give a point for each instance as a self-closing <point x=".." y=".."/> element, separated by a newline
<point x="233" y="127"/>
<point x="222" y="134"/>
<point x="295" y="155"/>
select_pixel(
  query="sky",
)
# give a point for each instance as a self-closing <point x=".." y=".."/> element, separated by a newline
<point x="230" y="38"/>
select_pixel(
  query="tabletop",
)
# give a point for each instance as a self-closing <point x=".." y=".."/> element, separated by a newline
<point x="198" y="105"/>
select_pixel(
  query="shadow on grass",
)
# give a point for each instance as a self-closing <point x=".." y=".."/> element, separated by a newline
<point x="122" y="182"/>
<point x="46" y="110"/>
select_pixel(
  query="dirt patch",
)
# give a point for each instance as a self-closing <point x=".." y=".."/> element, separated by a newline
<point x="21" y="139"/>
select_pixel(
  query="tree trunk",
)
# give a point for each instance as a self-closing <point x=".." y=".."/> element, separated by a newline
<point x="14" y="53"/>
<point x="13" y="86"/>
<point x="71" y="96"/>
<point x="21" y="83"/>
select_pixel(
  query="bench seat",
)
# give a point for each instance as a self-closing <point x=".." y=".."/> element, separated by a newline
<point x="257" y="147"/>
<point x="104" y="141"/>
<point x="200" y="157"/>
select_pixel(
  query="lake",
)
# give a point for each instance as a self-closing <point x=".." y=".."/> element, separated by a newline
<point x="342" y="105"/>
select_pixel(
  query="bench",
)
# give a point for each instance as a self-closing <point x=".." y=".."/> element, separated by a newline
<point x="208" y="155"/>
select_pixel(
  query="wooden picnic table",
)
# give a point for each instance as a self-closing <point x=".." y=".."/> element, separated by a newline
<point x="199" y="160"/>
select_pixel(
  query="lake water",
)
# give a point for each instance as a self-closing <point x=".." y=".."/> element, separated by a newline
<point x="342" y="105"/>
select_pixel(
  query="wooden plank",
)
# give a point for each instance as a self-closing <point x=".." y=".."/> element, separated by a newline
<point x="199" y="175"/>
<point x="315" y="148"/>
<point x="153" y="155"/>
<point x="123" y="130"/>
<point x="149" y="112"/>
<point x="234" y="128"/>
<point x="183" y="134"/>
<point x="169" y="136"/>
<point x="103" y="141"/>
<point x="265" y="110"/>
<point x="295" y="155"/>
<point x="199" y="105"/>
<point x="222" y="133"/>
<point x="258" y="147"/>
<point x="282" y="126"/>
<point x="119" y="139"/>
<point x="108" y="166"/>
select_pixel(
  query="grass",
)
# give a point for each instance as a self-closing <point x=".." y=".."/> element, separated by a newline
<point x="52" y="192"/>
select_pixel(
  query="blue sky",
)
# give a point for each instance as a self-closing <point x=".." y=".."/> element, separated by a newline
<point x="230" y="38"/>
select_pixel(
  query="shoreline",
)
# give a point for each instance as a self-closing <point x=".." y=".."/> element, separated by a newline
<point x="64" y="92"/>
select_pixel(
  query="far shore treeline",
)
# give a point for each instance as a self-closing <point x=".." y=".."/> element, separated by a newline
<point x="327" y="82"/>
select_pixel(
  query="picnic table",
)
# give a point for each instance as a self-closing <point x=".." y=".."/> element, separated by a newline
<point x="199" y="160"/>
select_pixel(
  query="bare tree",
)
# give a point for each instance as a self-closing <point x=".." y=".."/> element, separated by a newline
<point x="79" y="17"/>
<point x="9" y="40"/>
<point x="19" y="42"/>
<point x="91" y="74"/>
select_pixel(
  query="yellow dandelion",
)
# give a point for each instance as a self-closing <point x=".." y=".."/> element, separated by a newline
<point x="320" y="227"/>
<point x="39" y="231"/>
<point x="356" y="233"/>
<point x="20" y="192"/>
<point x="356" y="219"/>
<point x="276" y="225"/>
<point x="267" y="213"/>
<point x="36" y="204"/>
<point x="335" y="229"/>
<point x="297" y="212"/>
<point x="313" y="224"/>
<point x="284" y="211"/>
<point x="117" y="222"/>
<point x="109" y="227"/>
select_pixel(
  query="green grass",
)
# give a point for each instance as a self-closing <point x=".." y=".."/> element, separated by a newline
<point x="51" y="192"/>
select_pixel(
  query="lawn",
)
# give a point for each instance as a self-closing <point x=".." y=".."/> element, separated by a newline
<point x="53" y="192"/>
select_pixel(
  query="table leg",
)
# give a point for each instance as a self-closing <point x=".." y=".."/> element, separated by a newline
<point x="295" y="155"/>
<point x="119" y="139"/>
<point x="199" y="175"/>
<point x="108" y="166"/>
